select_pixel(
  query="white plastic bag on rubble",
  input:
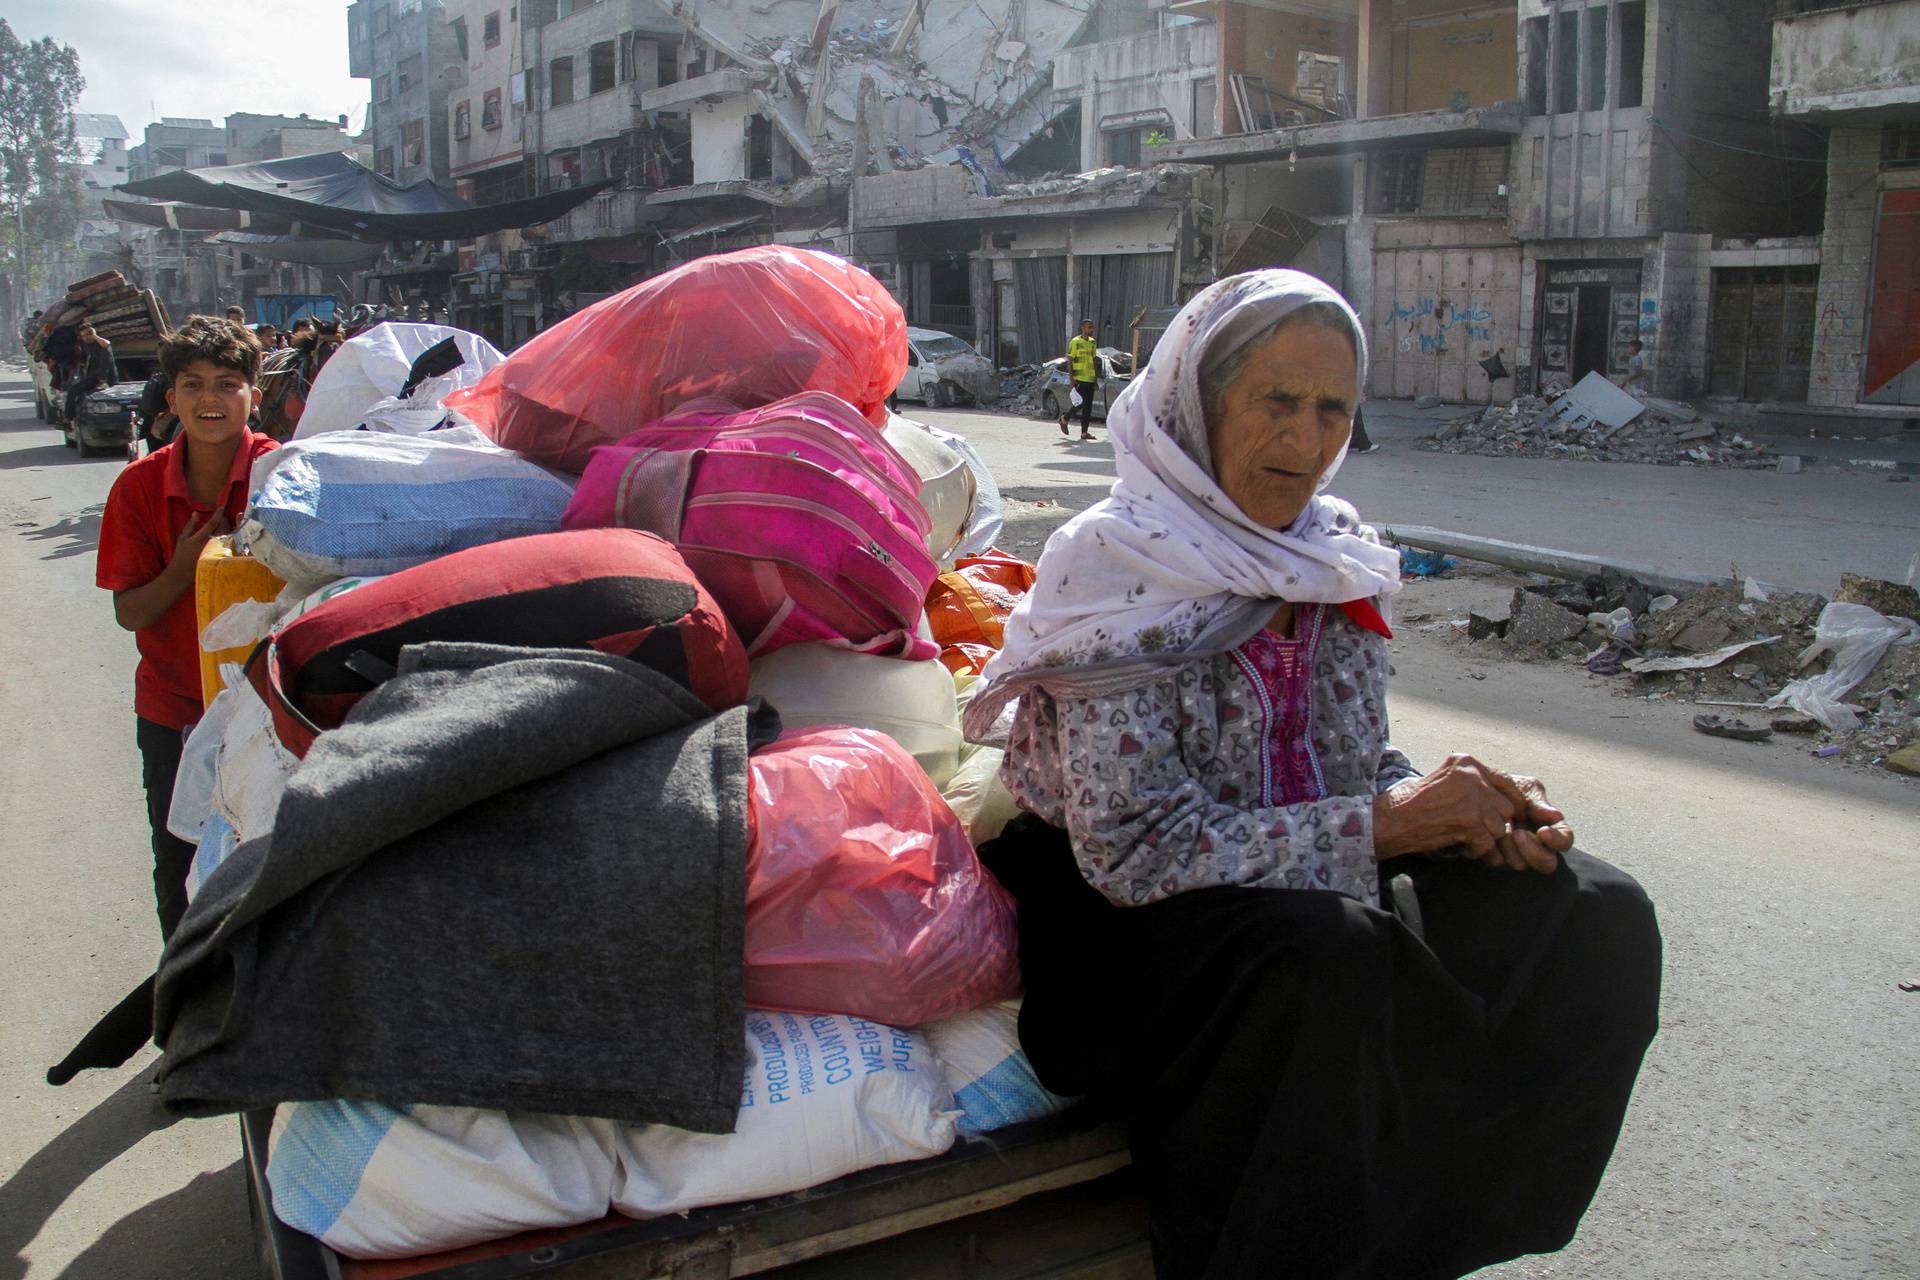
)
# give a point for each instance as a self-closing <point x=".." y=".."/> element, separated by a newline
<point x="1854" y="638"/>
<point x="374" y="1181"/>
<point x="910" y="702"/>
<point x="371" y="367"/>
<point x="193" y="783"/>
<point x="356" y="503"/>
<point x="992" y="1081"/>
<point x="252" y="767"/>
<point x="825" y="1096"/>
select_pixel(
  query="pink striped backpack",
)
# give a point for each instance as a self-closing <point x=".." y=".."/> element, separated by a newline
<point x="798" y="517"/>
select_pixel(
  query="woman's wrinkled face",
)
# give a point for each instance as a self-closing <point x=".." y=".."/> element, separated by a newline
<point x="1283" y="420"/>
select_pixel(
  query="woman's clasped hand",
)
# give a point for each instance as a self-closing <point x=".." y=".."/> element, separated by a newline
<point x="1501" y="819"/>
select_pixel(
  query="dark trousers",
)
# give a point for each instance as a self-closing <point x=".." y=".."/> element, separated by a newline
<point x="75" y="394"/>
<point x="172" y="856"/>
<point x="1087" y="391"/>
<point x="1315" y="1091"/>
<point x="1359" y="443"/>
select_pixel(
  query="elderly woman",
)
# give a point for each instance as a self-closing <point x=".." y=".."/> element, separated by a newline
<point x="1363" y="1021"/>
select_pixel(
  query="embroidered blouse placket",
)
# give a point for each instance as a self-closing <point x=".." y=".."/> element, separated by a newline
<point x="1281" y="673"/>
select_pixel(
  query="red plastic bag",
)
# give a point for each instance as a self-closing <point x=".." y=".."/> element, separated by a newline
<point x="739" y="329"/>
<point x="864" y="895"/>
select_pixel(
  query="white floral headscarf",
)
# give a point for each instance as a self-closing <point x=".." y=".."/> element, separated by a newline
<point x="1167" y="568"/>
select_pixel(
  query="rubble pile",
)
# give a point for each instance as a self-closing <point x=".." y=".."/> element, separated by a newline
<point x="1020" y="388"/>
<point x="1735" y="650"/>
<point x="1670" y="436"/>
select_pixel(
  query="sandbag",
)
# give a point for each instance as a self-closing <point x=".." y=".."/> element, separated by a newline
<point x="825" y="1096"/>
<point x="741" y="329"/>
<point x="799" y="516"/>
<point x="910" y="702"/>
<point x="864" y="895"/>
<point x="374" y="1181"/>
<point x="993" y="1083"/>
<point x="947" y="484"/>
<point x="618" y="591"/>
<point x="371" y="367"/>
<point x="349" y="503"/>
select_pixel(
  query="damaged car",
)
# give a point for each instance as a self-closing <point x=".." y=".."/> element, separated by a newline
<point x="1056" y="395"/>
<point x="943" y="370"/>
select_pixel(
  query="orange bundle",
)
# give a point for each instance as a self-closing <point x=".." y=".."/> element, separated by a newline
<point x="969" y="606"/>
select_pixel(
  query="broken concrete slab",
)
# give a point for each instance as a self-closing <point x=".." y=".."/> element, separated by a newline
<point x="1670" y="408"/>
<point x="1537" y="622"/>
<point x="1481" y="627"/>
<point x="1892" y="599"/>
<point x="1593" y="400"/>
<point x="1905" y="760"/>
<point x="1706" y="431"/>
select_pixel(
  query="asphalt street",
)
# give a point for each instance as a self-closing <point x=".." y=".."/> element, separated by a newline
<point x="1775" y="1131"/>
<point x="1797" y="530"/>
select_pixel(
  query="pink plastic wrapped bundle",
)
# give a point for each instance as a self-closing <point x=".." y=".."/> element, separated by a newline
<point x="864" y="895"/>
<point x="743" y="329"/>
<point x="798" y="516"/>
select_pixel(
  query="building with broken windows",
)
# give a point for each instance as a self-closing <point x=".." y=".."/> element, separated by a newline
<point x="1853" y="70"/>
<point x="1510" y="193"/>
<point x="407" y="50"/>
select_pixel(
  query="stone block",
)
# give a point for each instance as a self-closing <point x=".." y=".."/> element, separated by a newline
<point x="1538" y="621"/>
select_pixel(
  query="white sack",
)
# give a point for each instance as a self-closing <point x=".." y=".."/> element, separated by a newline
<point x="910" y="702"/>
<point x="372" y="366"/>
<point x="361" y="503"/>
<point x="947" y="484"/>
<point x="374" y="1181"/>
<point x="992" y="1081"/>
<point x="825" y="1096"/>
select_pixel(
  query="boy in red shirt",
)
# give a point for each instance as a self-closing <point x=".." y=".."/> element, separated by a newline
<point x="160" y="513"/>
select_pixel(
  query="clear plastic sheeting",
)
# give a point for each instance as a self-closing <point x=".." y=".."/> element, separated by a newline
<point x="1854" y="638"/>
<point x="735" y="331"/>
<point x="864" y="895"/>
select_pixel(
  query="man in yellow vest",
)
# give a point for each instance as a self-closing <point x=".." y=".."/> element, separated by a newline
<point x="1083" y="366"/>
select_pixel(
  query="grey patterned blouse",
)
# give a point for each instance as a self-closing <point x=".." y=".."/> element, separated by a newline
<point x="1257" y="767"/>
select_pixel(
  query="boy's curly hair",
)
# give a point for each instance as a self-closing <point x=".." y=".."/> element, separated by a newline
<point x="214" y="339"/>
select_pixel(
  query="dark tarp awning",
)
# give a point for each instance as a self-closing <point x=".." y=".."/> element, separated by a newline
<point x="188" y="217"/>
<point x="332" y="190"/>
<point x="306" y="251"/>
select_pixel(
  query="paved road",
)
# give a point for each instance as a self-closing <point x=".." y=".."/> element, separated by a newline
<point x="1775" y="1130"/>
<point x="1796" y="530"/>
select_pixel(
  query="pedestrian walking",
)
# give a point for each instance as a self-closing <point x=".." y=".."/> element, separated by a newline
<point x="1083" y="367"/>
<point x="1360" y="441"/>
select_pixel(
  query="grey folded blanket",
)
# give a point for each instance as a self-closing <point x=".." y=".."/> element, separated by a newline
<point x="514" y="879"/>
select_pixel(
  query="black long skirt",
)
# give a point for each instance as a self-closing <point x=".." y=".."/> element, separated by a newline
<point x="1317" y="1087"/>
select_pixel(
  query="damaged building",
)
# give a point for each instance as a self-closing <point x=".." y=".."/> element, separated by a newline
<point x="1854" y="70"/>
<point x="1511" y="193"/>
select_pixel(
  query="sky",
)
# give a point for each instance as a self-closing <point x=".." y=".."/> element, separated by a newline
<point x="144" y="59"/>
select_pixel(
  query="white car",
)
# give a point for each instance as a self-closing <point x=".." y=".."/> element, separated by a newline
<point x="944" y="370"/>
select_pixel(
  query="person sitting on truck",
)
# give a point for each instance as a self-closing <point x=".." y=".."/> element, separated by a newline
<point x="1377" y="1023"/>
<point x="92" y="369"/>
<point x="238" y="315"/>
<point x="160" y="515"/>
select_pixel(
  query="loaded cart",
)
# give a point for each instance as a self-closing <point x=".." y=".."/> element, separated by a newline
<point x="1051" y="1199"/>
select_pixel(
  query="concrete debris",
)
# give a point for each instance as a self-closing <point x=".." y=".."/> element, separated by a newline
<point x="1537" y="622"/>
<point x="1427" y="402"/>
<point x="1905" y="760"/>
<point x="1893" y="599"/>
<point x="1582" y="424"/>
<point x="967" y="74"/>
<point x="1723" y="646"/>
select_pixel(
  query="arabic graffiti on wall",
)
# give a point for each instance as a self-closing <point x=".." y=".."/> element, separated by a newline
<point x="1425" y="324"/>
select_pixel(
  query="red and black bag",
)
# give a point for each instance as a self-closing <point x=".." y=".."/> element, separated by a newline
<point x="618" y="591"/>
